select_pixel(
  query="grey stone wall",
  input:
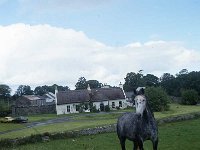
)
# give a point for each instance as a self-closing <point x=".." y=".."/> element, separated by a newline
<point x="31" y="110"/>
<point x="178" y="118"/>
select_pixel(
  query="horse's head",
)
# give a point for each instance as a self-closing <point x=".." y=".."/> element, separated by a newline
<point x="140" y="101"/>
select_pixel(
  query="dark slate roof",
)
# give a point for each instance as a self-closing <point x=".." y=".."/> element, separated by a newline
<point x="26" y="99"/>
<point x="72" y="96"/>
<point x="100" y="94"/>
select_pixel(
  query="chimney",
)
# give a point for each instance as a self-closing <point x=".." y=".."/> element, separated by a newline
<point x="89" y="89"/>
<point x="56" y="101"/>
<point x="56" y="90"/>
<point x="121" y="85"/>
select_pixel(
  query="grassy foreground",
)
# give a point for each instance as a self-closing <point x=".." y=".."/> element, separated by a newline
<point x="84" y="121"/>
<point x="172" y="136"/>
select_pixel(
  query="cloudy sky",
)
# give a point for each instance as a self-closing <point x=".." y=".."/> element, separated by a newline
<point x="58" y="41"/>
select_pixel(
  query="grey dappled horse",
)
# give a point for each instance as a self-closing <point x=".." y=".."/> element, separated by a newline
<point x="139" y="126"/>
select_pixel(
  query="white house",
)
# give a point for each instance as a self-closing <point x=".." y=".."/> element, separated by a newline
<point x="69" y="101"/>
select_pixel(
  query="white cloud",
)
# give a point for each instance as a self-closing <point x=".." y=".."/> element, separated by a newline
<point x="42" y="54"/>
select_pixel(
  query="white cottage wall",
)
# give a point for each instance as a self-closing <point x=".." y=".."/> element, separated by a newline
<point x="97" y="104"/>
<point x="67" y="108"/>
<point x="124" y="103"/>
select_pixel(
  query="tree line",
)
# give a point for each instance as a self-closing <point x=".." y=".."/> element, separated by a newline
<point x="172" y="84"/>
<point x="184" y="84"/>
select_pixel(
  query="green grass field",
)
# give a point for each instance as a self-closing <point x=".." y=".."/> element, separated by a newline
<point x="84" y="121"/>
<point x="172" y="136"/>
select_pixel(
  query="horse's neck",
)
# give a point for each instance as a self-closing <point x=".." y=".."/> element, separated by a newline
<point x="148" y="114"/>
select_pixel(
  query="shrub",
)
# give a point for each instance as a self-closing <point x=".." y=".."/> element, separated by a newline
<point x="107" y="108"/>
<point x="130" y="107"/>
<point x="189" y="97"/>
<point x="6" y="143"/>
<point x="94" y="109"/>
<point x="4" y="109"/>
<point x="158" y="98"/>
<point x="118" y="108"/>
<point x="82" y="106"/>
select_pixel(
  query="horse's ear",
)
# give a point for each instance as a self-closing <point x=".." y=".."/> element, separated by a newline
<point x="135" y="92"/>
<point x="142" y="91"/>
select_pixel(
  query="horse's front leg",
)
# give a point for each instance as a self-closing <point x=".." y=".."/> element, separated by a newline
<point x="135" y="146"/>
<point x="122" y="142"/>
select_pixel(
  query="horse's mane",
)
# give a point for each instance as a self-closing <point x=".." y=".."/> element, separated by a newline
<point x="148" y="106"/>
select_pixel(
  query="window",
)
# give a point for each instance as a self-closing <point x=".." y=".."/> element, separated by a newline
<point x="77" y="108"/>
<point x="113" y="104"/>
<point x="120" y="103"/>
<point x="68" y="108"/>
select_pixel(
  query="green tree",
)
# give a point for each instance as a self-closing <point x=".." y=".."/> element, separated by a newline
<point x="166" y="77"/>
<point x="41" y="90"/>
<point x="63" y="88"/>
<point x="132" y="81"/>
<point x="170" y="84"/>
<point x="190" y="81"/>
<point x="81" y="84"/>
<point x="5" y="91"/>
<point x="4" y="109"/>
<point x="184" y="80"/>
<point x="189" y="97"/>
<point x="151" y="80"/>
<point x="94" y="84"/>
<point x="158" y="98"/>
<point x="5" y="97"/>
<point x="24" y="90"/>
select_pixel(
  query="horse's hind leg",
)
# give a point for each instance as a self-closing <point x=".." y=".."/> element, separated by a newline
<point x="135" y="146"/>
<point x="122" y="142"/>
<point x="155" y="144"/>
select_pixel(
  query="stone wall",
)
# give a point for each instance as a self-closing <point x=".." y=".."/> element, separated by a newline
<point x="31" y="110"/>
<point x="178" y="118"/>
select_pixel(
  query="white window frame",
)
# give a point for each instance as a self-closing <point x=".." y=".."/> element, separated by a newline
<point x="113" y="104"/>
<point x="68" y="108"/>
<point x="120" y="103"/>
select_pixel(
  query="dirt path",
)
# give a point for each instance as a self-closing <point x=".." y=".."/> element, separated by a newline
<point x="53" y="121"/>
<point x="39" y="123"/>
